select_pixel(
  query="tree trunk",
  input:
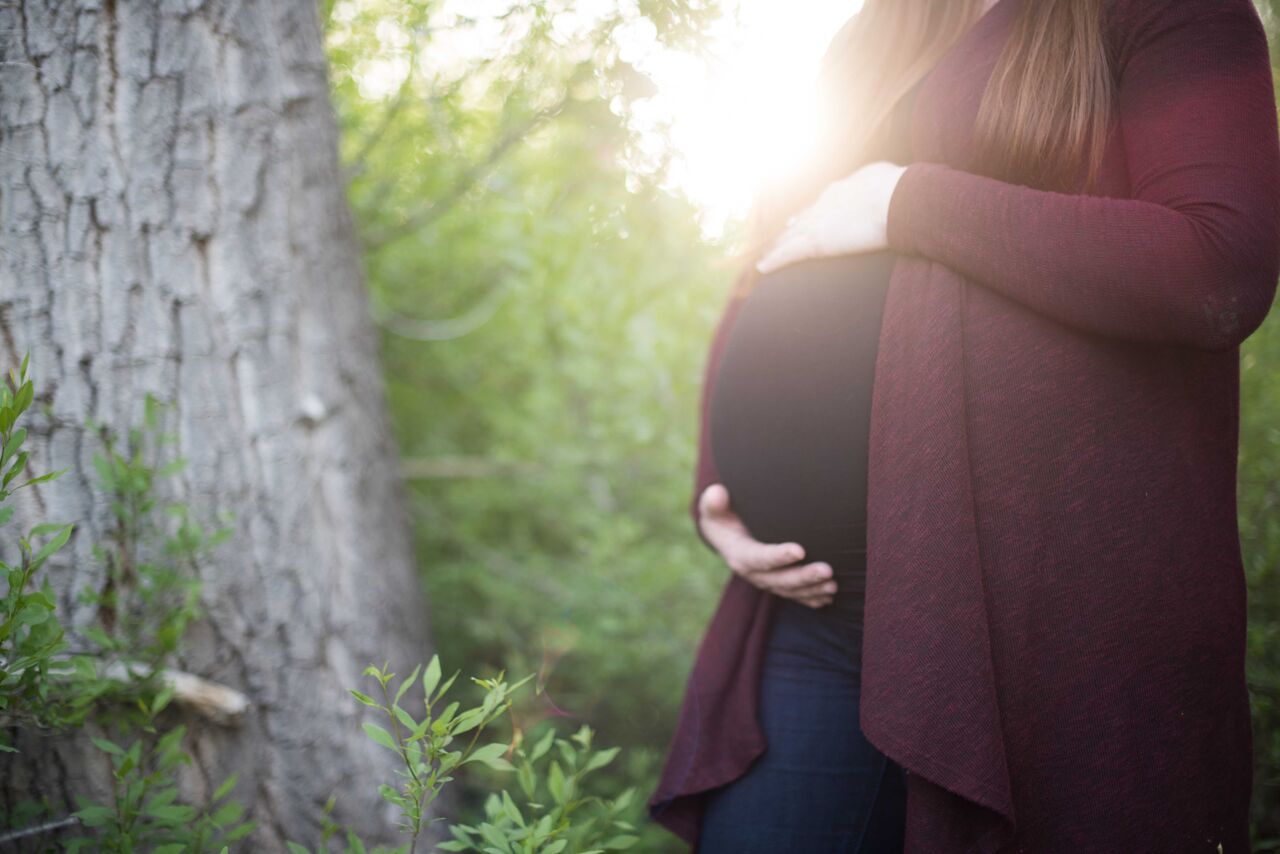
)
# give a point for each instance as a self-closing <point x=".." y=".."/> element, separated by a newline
<point x="173" y="220"/>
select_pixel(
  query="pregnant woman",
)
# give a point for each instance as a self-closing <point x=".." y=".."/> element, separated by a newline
<point x="788" y="420"/>
<point x="968" y="445"/>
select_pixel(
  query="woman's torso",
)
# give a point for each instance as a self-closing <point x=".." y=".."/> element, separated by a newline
<point x="791" y="398"/>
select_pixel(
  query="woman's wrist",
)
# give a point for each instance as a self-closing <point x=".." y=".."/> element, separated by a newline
<point x="887" y="177"/>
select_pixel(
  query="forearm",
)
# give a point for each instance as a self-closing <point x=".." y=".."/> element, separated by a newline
<point x="1191" y="255"/>
<point x="1125" y="268"/>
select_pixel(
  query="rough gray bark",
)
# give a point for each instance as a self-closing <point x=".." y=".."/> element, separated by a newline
<point x="172" y="219"/>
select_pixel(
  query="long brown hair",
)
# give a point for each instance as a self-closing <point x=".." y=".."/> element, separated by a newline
<point x="1042" y="122"/>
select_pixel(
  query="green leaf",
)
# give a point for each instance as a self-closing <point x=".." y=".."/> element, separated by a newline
<point x="623" y="800"/>
<point x="225" y="788"/>
<point x="406" y="720"/>
<point x="510" y="810"/>
<point x="601" y="759"/>
<point x="31" y="614"/>
<point x="620" y="842"/>
<point x="381" y="736"/>
<point x="107" y="746"/>
<point x="18" y="467"/>
<point x="468" y="720"/>
<point x="445" y="717"/>
<point x="430" y="678"/>
<point x="10" y="447"/>
<point x="173" y="813"/>
<point x="365" y="698"/>
<point x="95" y="816"/>
<point x="525" y="777"/>
<point x="53" y="545"/>
<point x="24" y="396"/>
<point x="164" y="796"/>
<point x="543" y="744"/>
<point x="228" y="812"/>
<point x="567" y="752"/>
<point x="239" y="831"/>
<point x="404" y="686"/>
<point x="490" y="754"/>
<point x="420" y="730"/>
<point x="445" y="687"/>
<point x="556" y="782"/>
<point x="45" y="477"/>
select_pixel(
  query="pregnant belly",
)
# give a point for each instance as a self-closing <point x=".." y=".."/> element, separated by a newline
<point x="790" y="401"/>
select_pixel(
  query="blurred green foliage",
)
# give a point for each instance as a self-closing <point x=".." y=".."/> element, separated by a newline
<point x="1259" y="496"/>
<point x="546" y="310"/>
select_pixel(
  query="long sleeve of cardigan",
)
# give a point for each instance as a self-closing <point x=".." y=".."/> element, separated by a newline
<point x="1192" y="259"/>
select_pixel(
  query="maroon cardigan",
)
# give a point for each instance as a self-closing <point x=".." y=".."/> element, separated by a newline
<point x="1055" y="606"/>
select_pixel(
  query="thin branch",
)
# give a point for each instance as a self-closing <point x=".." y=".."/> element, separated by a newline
<point x="469" y="178"/>
<point x="210" y="700"/>
<point x="57" y="824"/>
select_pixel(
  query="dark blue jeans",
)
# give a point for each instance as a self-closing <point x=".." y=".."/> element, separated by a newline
<point x="820" y="787"/>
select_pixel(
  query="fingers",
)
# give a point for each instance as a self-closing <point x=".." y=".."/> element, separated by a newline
<point x="815" y="595"/>
<point x="773" y="567"/>
<point x="794" y="245"/>
<point x="714" y="499"/>
<point x="748" y="556"/>
<point x="717" y="521"/>
<point x="726" y="531"/>
<point x="810" y="584"/>
<point x="818" y="601"/>
<point x="795" y="580"/>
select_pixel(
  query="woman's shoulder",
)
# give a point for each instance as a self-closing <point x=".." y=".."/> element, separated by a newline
<point x="1146" y="14"/>
<point x="1132" y="25"/>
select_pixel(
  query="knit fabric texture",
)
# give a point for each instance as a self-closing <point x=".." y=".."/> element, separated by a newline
<point x="1055" y="613"/>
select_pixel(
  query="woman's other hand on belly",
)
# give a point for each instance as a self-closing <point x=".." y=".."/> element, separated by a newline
<point x="773" y="567"/>
<point x="851" y="216"/>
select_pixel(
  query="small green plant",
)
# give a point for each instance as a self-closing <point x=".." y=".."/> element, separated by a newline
<point x="330" y="829"/>
<point x="31" y="637"/>
<point x="550" y="821"/>
<point x="151" y="589"/>
<point x="423" y="745"/>
<point x="546" y="825"/>
<point x="144" y="812"/>
<point x="150" y="594"/>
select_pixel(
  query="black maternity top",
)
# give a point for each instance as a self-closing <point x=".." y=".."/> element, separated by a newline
<point x="790" y="404"/>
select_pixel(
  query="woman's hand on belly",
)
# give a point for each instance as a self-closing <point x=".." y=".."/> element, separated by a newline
<point x="851" y="216"/>
<point x="773" y="567"/>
